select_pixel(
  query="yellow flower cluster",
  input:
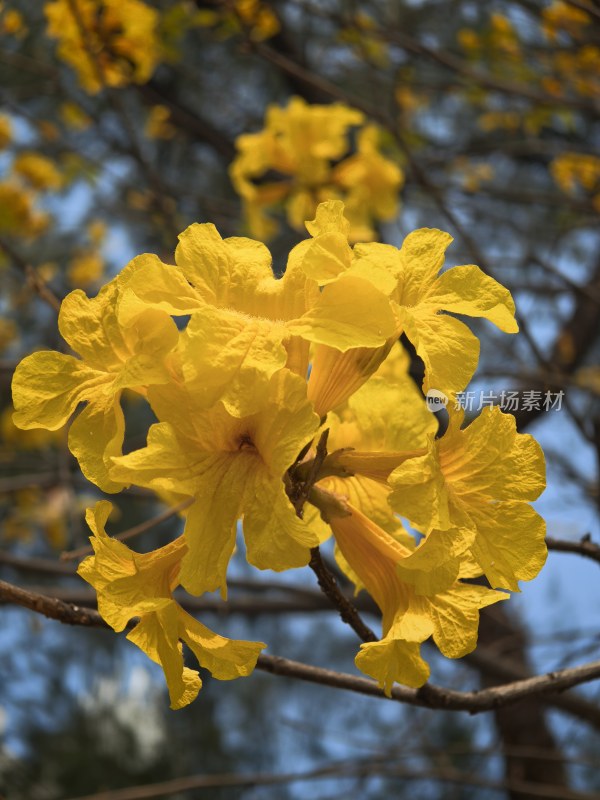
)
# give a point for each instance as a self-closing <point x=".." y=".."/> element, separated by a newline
<point x="253" y="17"/>
<point x="301" y="158"/>
<point x="573" y="171"/>
<point x="107" y="42"/>
<point x="246" y="391"/>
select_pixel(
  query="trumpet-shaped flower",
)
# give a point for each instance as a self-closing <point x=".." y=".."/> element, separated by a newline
<point x="131" y="584"/>
<point x="379" y="427"/>
<point x="246" y="321"/>
<point x="418" y="296"/>
<point x="479" y="479"/>
<point x="418" y="595"/>
<point x="232" y="467"/>
<point x="116" y="352"/>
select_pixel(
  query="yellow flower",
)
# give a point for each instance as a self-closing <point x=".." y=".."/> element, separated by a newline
<point x="370" y="185"/>
<point x="258" y="18"/>
<point x="119" y="47"/>
<point x="479" y="479"/>
<point x="85" y="268"/>
<point x="74" y="116"/>
<point x="18" y="216"/>
<point x="418" y="594"/>
<point x="571" y="170"/>
<point x="158" y="125"/>
<point x="116" y="352"/>
<point x="12" y="23"/>
<point x="232" y="467"/>
<point x="5" y="131"/>
<point x="300" y="142"/>
<point x="244" y="319"/>
<point x="417" y="294"/>
<point x="132" y="584"/>
<point x="382" y="424"/>
<point x="39" y="171"/>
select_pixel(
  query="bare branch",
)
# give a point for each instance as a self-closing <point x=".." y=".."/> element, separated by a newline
<point x="428" y="696"/>
<point x="348" y="611"/>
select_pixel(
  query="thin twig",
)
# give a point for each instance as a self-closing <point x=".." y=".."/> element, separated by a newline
<point x="585" y="547"/>
<point x="70" y="555"/>
<point x="34" y="279"/>
<point x="347" y="609"/>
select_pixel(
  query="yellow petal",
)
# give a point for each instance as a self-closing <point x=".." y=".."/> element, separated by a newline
<point x="226" y="659"/>
<point x="455" y="616"/>
<point x="510" y="543"/>
<point x="468" y="290"/>
<point x="46" y="389"/>
<point x="225" y="353"/>
<point x="446" y="346"/>
<point x="435" y="564"/>
<point x="275" y="537"/>
<point x="393" y="660"/>
<point x="157" y="636"/>
<point x="329" y="218"/>
<point x="95" y="437"/>
<point x="164" y="464"/>
<point x="350" y="312"/>
<point x="210" y="527"/>
<point x="418" y="262"/>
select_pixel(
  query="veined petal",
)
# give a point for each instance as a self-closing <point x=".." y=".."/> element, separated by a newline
<point x="225" y="659"/>
<point x="210" y="526"/>
<point x="435" y="565"/>
<point x="447" y="347"/>
<point x="350" y="312"/>
<point x="223" y="271"/>
<point x="160" y="286"/>
<point x="95" y="437"/>
<point x="454" y="614"/>
<point x="275" y="537"/>
<point x="419" y="493"/>
<point x="327" y="256"/>
<point x="164" y="464"/>
<point x="510" y="543"/>
<point x="90" y="326"/>
<point x="47" y="387"/>
<point x="231" y="358"/>
<point x="393" y="660"/>
<point x="418" y="262"/>
<point x="468" y="290"/>
<point x="490" y="458"/>
<point x="157" y="636"/>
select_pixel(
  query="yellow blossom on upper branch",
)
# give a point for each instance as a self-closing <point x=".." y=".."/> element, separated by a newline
<point x="107" y="42"/>
<point x="285" y="404"/>
<point x="301" y="145"/>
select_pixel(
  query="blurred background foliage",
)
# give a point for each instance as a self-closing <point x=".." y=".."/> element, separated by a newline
<point x="124" y="121"/>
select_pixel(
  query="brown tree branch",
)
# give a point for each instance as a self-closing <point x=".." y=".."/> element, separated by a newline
<point x="347" y="609"/>
<point x="428" y="696"/>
